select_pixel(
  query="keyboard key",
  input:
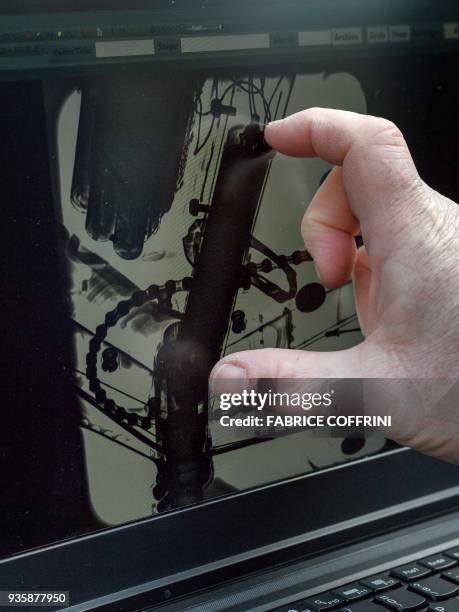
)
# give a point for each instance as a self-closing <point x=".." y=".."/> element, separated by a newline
<point x="401" y="600"/>
<point x="453" y="553"/>
<point x="435" y="588"/>
<point x="413" y="571"/>
<point x="437" y="562"/>
<point x="452" y="575"/>
<point x="452" y="605"/>
<point x="362" y="606"/>
<point x="324" y="601"/>
<point x="352" y="592"/>
<point x="380" y="583"/>
<point x="294" y="607"/>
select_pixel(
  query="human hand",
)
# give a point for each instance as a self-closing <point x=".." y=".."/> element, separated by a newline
<point x="406" y="277"/>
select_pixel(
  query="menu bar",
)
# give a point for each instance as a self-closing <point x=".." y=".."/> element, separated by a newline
<point x="136" y="41"/>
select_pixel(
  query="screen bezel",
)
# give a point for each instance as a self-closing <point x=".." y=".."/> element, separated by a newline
<point x="166" y="556"/>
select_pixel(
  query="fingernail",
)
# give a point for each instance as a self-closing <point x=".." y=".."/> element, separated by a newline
<point x="229" y="371"/>
<point x="273" y="125"/>
<point x="265" y="130"/>
<point x="227" y="375"/>
<point x="275" y="122"/>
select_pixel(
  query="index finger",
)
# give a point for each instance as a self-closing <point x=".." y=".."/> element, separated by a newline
<point x="378" y="171"/>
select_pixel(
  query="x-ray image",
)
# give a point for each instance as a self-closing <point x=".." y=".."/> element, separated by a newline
<point x="180" y="235"/>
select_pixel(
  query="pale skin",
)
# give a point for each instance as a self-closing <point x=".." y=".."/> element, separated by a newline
<point x="406" y="277"/>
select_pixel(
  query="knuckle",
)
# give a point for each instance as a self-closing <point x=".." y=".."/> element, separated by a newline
<point x="386" y="132"/>
<point x="383" y="147"/>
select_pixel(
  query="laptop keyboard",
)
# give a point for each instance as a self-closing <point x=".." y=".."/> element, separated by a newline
<point x="428" y="584"/>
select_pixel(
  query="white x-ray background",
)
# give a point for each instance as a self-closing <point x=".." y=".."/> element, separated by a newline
<point x="120" y="480"/>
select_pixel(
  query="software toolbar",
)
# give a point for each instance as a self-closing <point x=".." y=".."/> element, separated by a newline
<point x="92" y="44"/>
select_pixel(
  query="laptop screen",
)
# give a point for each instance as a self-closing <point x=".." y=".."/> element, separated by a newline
<point x="149" y="215"/>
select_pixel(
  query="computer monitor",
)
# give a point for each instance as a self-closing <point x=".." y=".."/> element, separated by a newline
<point x="150" y="231"/>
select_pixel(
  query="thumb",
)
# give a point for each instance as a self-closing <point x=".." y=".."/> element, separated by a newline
<point x="248" y="366"/>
